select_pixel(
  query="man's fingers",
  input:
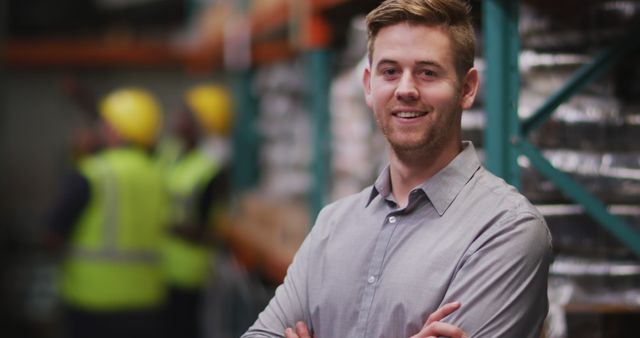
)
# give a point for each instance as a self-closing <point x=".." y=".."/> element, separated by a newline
<point x="288" y="333"/>
<point x="442" y="312"/>
<point x="438" y="329"/>
<point x="302" y="331"/>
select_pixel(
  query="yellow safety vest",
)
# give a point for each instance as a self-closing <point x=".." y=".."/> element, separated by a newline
<point x="114" y="256"/>
<point x="187" y="263"/>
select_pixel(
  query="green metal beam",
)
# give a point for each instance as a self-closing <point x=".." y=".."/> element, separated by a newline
<point x="592" y="205"/>
<point x="246" y="138"/>
<point x="193" y="7"/>
<point x="583" y="76"/>
<point x="502" y="83"/>
<point x="318" y="63"/>
<point x="505" y="139"/>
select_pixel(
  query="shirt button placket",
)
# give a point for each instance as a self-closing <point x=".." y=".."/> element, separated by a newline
<point x="375" y="267"/>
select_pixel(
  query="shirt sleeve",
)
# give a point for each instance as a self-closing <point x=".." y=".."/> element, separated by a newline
<point x="290" y="303"/>
<point x="502" y="283"/>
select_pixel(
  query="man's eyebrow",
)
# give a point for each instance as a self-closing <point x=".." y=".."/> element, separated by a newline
<point x="423" y="63"/>
<point x="385" y="62"/>
<point x="429" y="63"/>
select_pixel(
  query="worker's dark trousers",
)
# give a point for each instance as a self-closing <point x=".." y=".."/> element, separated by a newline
<point x="184" y="313"/>
<point x="80" y="323"/>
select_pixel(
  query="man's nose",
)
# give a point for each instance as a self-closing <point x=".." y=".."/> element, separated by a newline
<point x="407" y="90"/>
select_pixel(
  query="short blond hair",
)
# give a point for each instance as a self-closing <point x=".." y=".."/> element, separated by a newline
<point x="453" y="15"/>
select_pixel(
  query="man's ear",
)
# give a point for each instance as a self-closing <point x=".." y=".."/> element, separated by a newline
<point x="469" y="88"/>
<point x="366" y="81"/>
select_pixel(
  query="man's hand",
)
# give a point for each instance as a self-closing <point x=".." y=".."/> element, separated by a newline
<point x="300" y="332"/>
<point x="434" y="328"/>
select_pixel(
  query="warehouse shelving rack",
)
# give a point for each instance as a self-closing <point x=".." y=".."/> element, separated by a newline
<point x="506" y="136"/>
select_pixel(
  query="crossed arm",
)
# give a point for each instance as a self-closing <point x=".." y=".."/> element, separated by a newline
<point x="432" y="328"/>
<point x="502" y="284"/>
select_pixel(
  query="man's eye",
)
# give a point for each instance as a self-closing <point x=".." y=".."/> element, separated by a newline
<point x="389" y="72"/>
<point x="428" y="73"/>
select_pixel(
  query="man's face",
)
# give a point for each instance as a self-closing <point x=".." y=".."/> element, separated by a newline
<point x="413" y="88"/>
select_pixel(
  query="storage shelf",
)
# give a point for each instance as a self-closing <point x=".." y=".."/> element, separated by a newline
<point x="88" y="52"/>
<point x="94" y="52"/>
<point x="601" y="308"/>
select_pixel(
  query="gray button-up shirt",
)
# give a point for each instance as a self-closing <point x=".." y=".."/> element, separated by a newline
<point x="370" y="269"/>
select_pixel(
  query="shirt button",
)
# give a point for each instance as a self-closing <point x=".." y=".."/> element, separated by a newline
<point x="392" y="219"/>
<point x="371" y="279"/>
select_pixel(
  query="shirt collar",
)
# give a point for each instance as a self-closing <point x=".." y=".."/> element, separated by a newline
<point x="382" y="185"/>
<point x="444" y="186"/>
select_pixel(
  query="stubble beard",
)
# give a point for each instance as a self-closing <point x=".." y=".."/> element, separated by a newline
<point x="422" y="148"/>
<point x="428" y="144"/>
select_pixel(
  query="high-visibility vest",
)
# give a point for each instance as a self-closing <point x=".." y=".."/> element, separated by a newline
<point x="187" y="263"/>
<point x="114" y="259"/>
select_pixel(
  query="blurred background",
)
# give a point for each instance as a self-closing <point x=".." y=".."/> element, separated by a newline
<point x="303" y="136"/>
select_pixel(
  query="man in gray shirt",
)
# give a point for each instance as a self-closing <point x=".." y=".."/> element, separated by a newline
<point x="435" y="227"/>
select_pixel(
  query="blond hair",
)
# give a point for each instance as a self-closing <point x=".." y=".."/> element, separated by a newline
<point x="453" y="15"/>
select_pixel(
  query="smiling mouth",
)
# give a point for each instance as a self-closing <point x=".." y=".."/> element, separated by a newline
<point x="409" y="114"/>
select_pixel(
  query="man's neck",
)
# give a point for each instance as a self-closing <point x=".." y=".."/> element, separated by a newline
<point x="409" y="171"/>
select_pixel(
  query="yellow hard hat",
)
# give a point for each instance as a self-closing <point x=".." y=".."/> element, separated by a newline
<point x="134" y="113"/>
<point x="212" y="108"/>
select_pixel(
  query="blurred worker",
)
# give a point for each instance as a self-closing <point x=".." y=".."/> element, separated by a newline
<point x="197" y="177"/>
<point x="110" y="221"/>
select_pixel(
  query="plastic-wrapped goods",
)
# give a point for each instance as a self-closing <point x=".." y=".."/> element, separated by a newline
<point x="592" y="136"/>
<point x="576" y="233"/>
<point x="613" y="177"/>
<point x="594" y="281"/>
<point x="547" y="25"/>
<point x="602" y="116"/>
<point x="284" y="124"/>
<point x="594" y="119"/>
<point x="358" y="148"/>
<point x="473" y="121"/>
<point x="586" y="122"/>
<point x="579" y="286"/>
<point x="545" y="73"/>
